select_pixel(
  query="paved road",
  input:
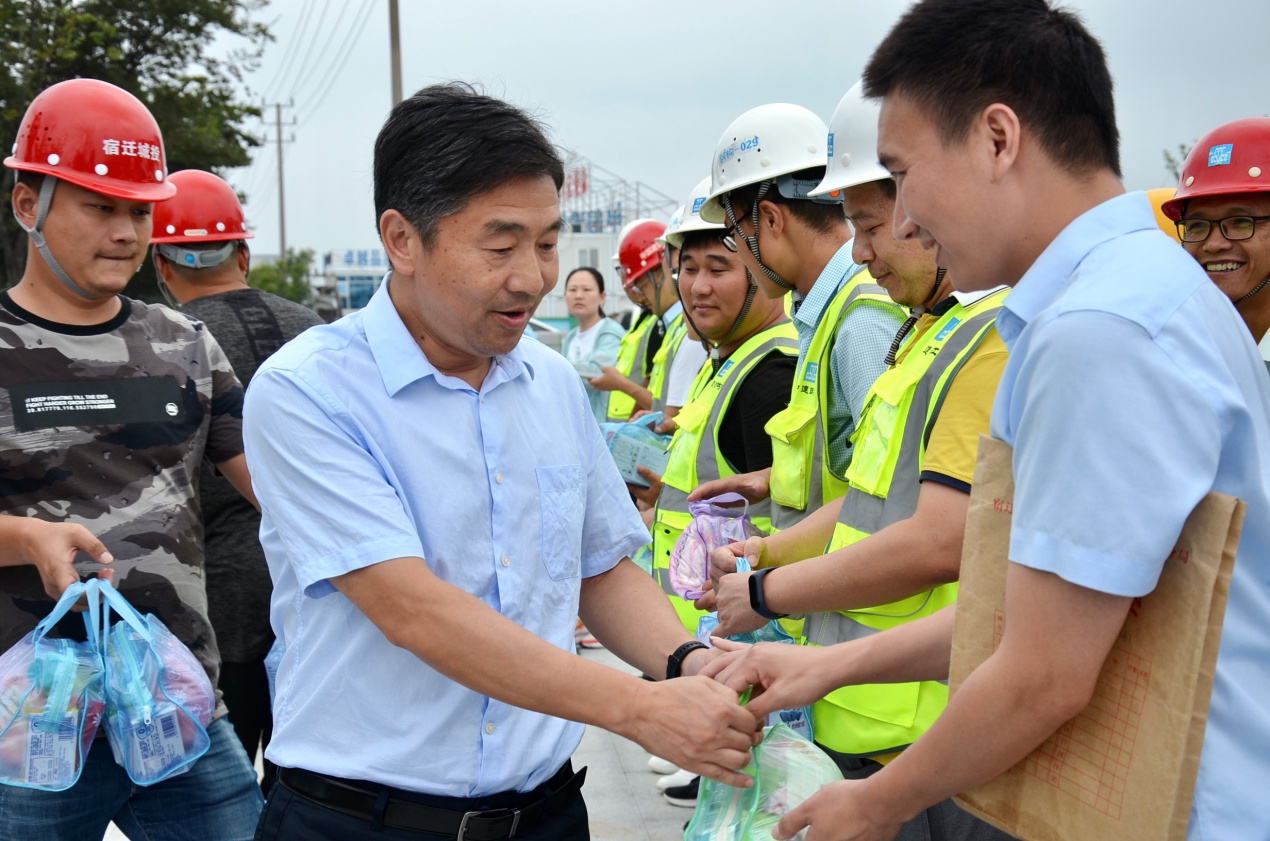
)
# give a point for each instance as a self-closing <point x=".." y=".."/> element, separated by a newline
<point x="619" y="790"/>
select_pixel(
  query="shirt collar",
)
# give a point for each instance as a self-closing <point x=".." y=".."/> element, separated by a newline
<point x="836" y="272"/>
<point x="1045" y="280"/>
<point x="672" y="313"/>
<point x="401" y="362"/>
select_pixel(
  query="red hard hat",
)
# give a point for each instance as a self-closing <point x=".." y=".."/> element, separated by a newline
<point x="639" y="250"/>
<point x="96" y="136"/>
<point x="205" y="209"/>
<point x="1229" y="160"/>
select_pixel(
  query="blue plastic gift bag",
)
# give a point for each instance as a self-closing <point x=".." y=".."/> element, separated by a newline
<point x="50" y="701"/>
<point x="159" y="700"/>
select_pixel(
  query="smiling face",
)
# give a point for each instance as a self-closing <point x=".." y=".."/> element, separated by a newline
<point x="98" y="240"/>
<point x="713" y="286"/>
<point x="905" y="269"/>
<point x="1236" y="266"/>
<point x="943" y="199"/>
<point x="468" y="297"/>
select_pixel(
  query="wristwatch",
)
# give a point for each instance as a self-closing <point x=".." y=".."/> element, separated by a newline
<point x="758" y="603"/>
<point x="675" y="662"/>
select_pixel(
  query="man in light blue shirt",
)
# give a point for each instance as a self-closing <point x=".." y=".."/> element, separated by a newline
<point x="438" y="506"/>
<point x="1132" y="390"/>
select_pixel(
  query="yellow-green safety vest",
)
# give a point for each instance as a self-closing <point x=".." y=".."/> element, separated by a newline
<point x="676" y="332"/>
<point x="884" y="482"/>
<point x="801" y="479"/>
<point x="633" y="351"/>
<point x="695" y="456"/>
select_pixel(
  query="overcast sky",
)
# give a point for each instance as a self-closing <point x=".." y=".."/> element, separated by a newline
<point x="645" y="89"/>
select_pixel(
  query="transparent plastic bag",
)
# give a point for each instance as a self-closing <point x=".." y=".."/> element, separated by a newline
<point x="787" y="769"/>
<point x="714" y="524"/>
<point x="158" y="698"/>
<point x="50" y="702"/>
<point x="634" y="444"/>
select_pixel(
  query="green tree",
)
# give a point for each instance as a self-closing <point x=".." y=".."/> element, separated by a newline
<point x="156" y="49"/>
<point x="1173" y="163"/>
<point x="288" y="278"/>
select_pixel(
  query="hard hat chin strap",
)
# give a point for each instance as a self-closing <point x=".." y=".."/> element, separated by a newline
<point x="914" y="314"/>
<point x="1258" y="288"/>
<point x="36" y="233"/>
<point x="752" y="242"/>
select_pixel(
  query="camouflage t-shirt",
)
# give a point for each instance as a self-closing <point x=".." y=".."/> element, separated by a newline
<point x="106" y="426"/>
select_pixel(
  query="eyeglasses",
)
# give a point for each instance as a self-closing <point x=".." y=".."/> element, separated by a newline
<point x="1233" y="228"/>
<point x="728" y="242"/>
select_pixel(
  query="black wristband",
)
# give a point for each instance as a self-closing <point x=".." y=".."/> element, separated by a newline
<point x="675" y="662"/>
<point x="758" y="603"/>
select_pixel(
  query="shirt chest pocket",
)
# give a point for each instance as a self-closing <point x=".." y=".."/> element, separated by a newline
<point x="560" y="501"/>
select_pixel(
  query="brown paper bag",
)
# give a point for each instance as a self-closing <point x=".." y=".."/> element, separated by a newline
<point x="1125" y="767"/>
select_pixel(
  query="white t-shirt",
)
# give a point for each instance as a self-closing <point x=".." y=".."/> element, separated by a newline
<point x="583" y="344"/>
<point x="683" y="371"/>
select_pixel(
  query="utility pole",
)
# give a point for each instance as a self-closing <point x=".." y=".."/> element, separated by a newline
<point x="282" y="205"/>
<point x="394" y="36"/>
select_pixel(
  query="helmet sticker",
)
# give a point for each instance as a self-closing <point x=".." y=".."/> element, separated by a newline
<point x="131" y="149"/>
<point x="1220" y="155"/>
<point x="696" y="205"/>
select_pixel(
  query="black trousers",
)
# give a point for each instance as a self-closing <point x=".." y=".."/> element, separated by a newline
<point x="245" y="687"/>
<point x="290" y="817"/>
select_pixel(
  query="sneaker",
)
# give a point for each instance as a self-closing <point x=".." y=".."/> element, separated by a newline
<point x="678" y="778"/>
<point x="684" y="795"/>
<point x="661" y="766"/>
<point x="583" y="638"/>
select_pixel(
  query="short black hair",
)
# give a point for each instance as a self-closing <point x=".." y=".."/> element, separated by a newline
<point x="700" y="239"/>
<point x="953" y="58"/>
<point x="820" y="216"/>
<point x="34" y="180"/>
<point x="448" y="143"/>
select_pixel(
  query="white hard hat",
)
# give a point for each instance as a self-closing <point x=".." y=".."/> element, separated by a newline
<point x="853" y="144"/>
<point x="692" y="220"/>
<point x="764" y="144"/>
<point x="676" y="219"/>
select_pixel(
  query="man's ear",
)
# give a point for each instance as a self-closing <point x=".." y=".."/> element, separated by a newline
<point x="401" y="241"/>
<point x="772" y="216"/>
<point x="1000" y="132"/>
<point x="26" y="203"/>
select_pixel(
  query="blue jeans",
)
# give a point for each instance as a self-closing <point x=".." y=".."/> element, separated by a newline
<point x="218" y="797"/>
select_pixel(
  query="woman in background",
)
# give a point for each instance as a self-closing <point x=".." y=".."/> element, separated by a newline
<point x="594" y="342"/>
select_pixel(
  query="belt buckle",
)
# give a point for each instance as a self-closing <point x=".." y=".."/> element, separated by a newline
<point x="495" y="813"/>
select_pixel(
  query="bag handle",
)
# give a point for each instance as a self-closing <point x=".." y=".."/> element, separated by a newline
<point x="113" y="599"/>
<point x="69" y="596"/>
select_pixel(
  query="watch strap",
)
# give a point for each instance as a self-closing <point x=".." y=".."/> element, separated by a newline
<point x="758" y="602"/>
<point x="675" y="662"/>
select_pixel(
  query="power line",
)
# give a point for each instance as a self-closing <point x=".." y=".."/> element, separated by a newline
<point x="315" y="35"/>
<point x="336" y="68"/>
<point x="303" y="78"/>
<point x="289" y="54"/>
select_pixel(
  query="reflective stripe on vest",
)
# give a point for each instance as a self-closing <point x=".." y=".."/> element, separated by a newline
<point x="634" y="349"/>
<point x="676" y="332"/>
<point x="695" y="456"/>
<point x="801" y="479"/>
<point x="890" y="447"/>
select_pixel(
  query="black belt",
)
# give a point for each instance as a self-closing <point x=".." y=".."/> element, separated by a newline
<point x="466" y="822"/>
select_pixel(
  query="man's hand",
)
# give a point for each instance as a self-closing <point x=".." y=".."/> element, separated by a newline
<point x="841" y="811"/>
<point x="732" y="603"/>
<point x="723" y="559"/>
<point x="647" y="495"/>
<point x="610" y="379"/>
<point x="698" y="725"/>
<point x="752" y="486"/>
<point x="51" y="548"/>
<point x="783" y="676"/>
<point x="666" y="427"/>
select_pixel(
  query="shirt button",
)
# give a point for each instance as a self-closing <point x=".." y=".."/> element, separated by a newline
<point x="490" y="728"/>
<point x="507" y="561"/>
<point x="498" y="477"/>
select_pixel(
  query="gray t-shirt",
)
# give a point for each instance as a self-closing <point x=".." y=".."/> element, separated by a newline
<point x="249" y="325"/>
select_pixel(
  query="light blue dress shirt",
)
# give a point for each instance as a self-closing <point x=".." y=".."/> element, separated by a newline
<point x="1133" y="389"/>
<point x="859" y="353"/>
<point x="361" y="451"/>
